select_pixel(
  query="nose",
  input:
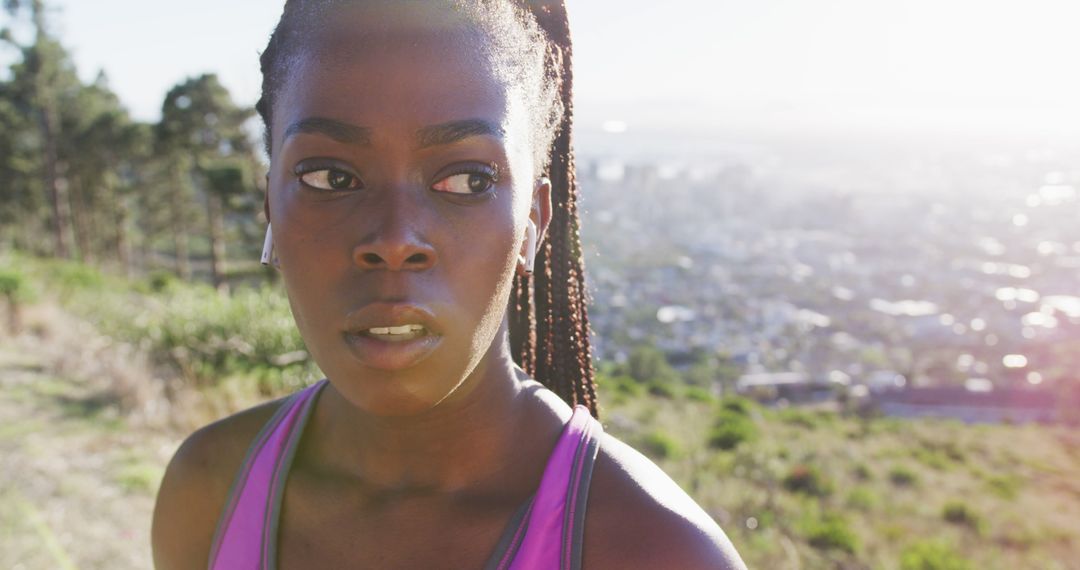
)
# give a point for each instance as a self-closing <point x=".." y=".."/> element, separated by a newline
<point x="396" y="243"/>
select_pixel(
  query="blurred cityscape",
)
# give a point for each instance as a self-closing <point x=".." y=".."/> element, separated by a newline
<point x="847" y="270"/>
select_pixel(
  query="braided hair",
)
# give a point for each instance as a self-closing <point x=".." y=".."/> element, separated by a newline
<point x="548" y="316"/>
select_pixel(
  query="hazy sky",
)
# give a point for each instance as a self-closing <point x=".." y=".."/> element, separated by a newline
<point x="982" y="64"/>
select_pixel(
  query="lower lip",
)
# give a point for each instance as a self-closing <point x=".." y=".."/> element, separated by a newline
<point x="390" y="355"/>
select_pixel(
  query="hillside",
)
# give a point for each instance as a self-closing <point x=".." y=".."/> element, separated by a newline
<point x="107" y="376"/>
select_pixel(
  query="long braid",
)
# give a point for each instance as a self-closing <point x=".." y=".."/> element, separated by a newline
<point x="522" y="327"/>
<point x="564" y="356"/>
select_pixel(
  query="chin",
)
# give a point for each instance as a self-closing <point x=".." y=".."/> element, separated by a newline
<point x="392" y="394"/>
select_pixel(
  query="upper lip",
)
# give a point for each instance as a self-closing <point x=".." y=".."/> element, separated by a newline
<point x="390" y="314"/>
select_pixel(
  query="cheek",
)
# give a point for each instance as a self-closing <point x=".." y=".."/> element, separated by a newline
<point x="481" y="263"/>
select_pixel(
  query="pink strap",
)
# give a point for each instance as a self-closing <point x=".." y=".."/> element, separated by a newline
<point x="239" y="544"/>
<point x="550" y="527"/>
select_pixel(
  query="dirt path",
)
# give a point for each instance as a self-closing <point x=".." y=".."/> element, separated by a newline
<point x="77" y="481"/>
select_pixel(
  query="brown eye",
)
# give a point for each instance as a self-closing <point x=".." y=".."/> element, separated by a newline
<point x="465" y="183"/>
<point x="330" y="179"/>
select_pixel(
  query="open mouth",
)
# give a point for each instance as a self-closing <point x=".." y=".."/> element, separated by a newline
<point x="392" y="336"/>
<point x="395" y="334"/>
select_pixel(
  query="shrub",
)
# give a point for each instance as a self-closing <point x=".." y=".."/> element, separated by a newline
<point x="932" y="458"/>
<point x="626" y="386"/>
<point x="160" y="281"/>
<point x="70" y="278"/>
<point x="863" y="472"/>
<point x="14" y="292"/>
<point x="737" y="405"/>
<point x="861" y="499"/>
<point x="732" y="429"/>
<point x="957" y="512"/>
<point x="11" y="282"/>
<point x="903" y="477"/>
<point x="662" y="389"/>
<point x="808" y="480"/>
<point x="831" y="532"/>
<point x="932" y="555"/>
<point x="210" y="336"/>
<point x="699" y="394"/>
<point x="1003" y="486"/>
<point x="805" y="418"/>
<point x="661" y="445"/>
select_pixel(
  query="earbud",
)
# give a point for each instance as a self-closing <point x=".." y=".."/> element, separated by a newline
<point x="530" y="246"/>
<point x="268" y="256"/>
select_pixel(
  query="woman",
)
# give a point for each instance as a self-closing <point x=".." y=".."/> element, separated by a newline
<point x="422" y="205"/>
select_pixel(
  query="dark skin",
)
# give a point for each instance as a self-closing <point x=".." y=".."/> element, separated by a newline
<point x="421" y="464"/>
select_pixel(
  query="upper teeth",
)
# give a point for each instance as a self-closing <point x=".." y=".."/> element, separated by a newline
<point x="404" y="329"/>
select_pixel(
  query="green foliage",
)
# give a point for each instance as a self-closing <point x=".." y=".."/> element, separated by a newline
<point x="209" y="336"/>
<point x="619" y="385"/>
<point x="697" y="394"/>
<point x="808" y="480"/>
<point x="932" y="555"/>
<point x="663" y="390"/>
<point x="805" y="418"/>
<point x="1006" y="487"/>
<point x="731" y="430"/>
<point x="932" y="458"/>
<point x="159" y="282"/>
<point x="139" y="478"/>
<point x="15" y="287"/>
<point x="902" y="476"/>
<point x="737" y="405"/>
<point x="734" y="424"/>
<point x="69" y="278"/>
<point x="648" y="365"/>
<point x="710" y="370"/>
<point x="831" y="532"/>
<point x="660" y="445"/>
<point x="959" y="513"/>
<point x="862" y="499"/>
<point x="862" y="472"/>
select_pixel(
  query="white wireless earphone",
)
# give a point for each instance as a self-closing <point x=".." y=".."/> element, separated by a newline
<point x="268" y="256"/>
<point x="530" y="247"/>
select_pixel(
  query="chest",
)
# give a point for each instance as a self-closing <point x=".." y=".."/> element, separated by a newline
<point x="320" y="528"/>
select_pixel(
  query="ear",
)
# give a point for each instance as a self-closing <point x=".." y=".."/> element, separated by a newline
<point x="539" y="220"/>
<point x="541" y="208"/>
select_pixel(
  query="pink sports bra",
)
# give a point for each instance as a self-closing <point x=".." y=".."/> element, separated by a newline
<point x="546" y="532"/>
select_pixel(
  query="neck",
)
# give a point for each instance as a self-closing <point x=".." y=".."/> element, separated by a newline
<point x="474" y="439"/>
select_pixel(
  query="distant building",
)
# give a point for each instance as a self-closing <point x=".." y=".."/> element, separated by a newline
<point x="782" y="388"/>
<point x="996" y="406"/>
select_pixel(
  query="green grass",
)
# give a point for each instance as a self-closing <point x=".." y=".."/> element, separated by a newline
<point x="660" y="445"/>
<point x="831" y="532"/>
<point x="205" y="336"/>
<point x="139" y="477"/>
<point x="839" y="491"/>
<point x="932" y="555"/>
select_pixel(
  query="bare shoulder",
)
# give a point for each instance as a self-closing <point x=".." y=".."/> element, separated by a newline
<point x="196" y="486"/>
<point x="639" y="518"/>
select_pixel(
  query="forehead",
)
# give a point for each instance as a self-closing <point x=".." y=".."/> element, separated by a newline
<point x="409" y="67"/>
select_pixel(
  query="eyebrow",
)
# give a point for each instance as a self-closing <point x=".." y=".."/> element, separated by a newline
<point x="454" y="131"/>
<point x="434" y="135"/>
<point x="337" y="130"/>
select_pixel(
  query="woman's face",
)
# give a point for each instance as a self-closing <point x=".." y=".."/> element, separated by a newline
<point x="400" y="187"/>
